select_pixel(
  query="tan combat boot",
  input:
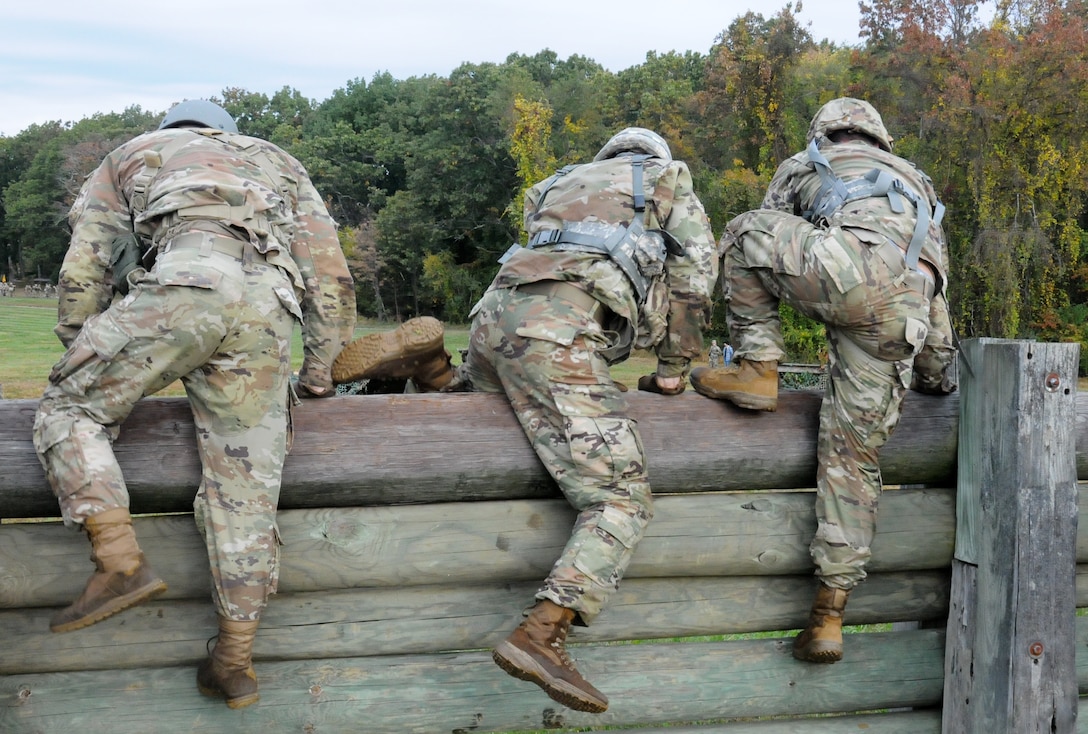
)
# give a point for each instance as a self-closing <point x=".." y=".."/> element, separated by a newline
<point x="228" y="671"/>
<point x="746" y="384"/>
<point x="821" y="641"/>
<point x="535" y="652"/>
<point x="123" y="578"/>
<point x="413" y="350"/>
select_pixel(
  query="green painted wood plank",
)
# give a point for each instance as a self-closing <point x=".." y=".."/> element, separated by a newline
<point x="648" y="684"/>
<point x="366" y="622"/>
<point x="716" y="534"/>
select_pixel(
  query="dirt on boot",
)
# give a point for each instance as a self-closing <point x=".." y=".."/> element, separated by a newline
<point x="535" y="652"/>
<point x="401" y="353"/>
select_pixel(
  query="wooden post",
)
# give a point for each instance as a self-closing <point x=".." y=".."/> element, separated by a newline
<point x="1010" y="650"/>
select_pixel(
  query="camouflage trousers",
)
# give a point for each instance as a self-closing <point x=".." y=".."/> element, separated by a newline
<point x="876" y="312"/>
<point x="544" y="355"/>
<point x="224" y="329"/>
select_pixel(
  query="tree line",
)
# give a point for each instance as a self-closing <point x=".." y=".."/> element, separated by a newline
<point x="425" y="175"/>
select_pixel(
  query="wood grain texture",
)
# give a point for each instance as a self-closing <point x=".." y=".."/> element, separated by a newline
<point x="1009" y="664"/>
<point x="422" y="619"/>
<point x="395" y="449"/>
<point x="650" y="683"/>
<point x="714" y="534"/>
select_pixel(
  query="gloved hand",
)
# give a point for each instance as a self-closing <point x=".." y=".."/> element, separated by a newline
<point x="661" y="385"/>
<point x="305" y="391"/>
<point x="314" y="380"/>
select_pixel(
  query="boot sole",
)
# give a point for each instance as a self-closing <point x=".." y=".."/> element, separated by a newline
<point x="824" y="654"/>
<point x="411" y="342"/>
<point x="740" y="399"/>
<point x="235" y="703"/>
<point x="521" y="666"/>
<point x="117" y="605"/>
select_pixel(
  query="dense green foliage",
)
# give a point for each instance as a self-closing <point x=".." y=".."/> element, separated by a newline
<point x="425" y="175"/>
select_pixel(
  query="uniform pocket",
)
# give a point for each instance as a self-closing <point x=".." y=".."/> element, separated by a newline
<point x="832" y="252"/>
<point x="603" y="442"/>
<point x="619" y="533"/>
<point x="62" y="458"/>
<point x="96" y="344"/>
<point x="550" y="331"/>
<point x="286" y="296"/>
<point x="915" y="335"/>
<point x="186" y="273"/>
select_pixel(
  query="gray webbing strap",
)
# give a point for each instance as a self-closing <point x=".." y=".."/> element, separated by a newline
<point x="874" y="183"/>
<point x="551" y="182"/>
<point x="636" y="184"/>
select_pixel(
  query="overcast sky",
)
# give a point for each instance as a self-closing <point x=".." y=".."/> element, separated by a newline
<point x="69" y="59"/>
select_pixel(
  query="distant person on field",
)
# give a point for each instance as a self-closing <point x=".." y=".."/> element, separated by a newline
<point x="221" y="247"/>
<point x="715" y="354"/>
<point x="727" y="353"/>
<point x="620" y="256"/>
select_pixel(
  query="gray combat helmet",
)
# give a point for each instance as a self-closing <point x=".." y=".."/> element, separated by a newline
<point x="635" y="140"/>
<point x="199" y="112"/>
<point x="855" y="115"/>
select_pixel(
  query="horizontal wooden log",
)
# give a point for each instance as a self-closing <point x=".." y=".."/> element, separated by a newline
<point x="898" y="722"/>
<point x="369" y="622"/>
<point x="365" y="622"/>
<point x="393" y="449"/>
<point x="714" y="534"/>
<point x="648" y="684"/>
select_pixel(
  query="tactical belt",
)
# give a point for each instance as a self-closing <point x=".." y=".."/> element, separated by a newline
<point x="209" y="243"/>
<point x="567" y="292"/>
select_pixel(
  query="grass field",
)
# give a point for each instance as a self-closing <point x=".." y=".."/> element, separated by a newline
<point x="28" y="348"/>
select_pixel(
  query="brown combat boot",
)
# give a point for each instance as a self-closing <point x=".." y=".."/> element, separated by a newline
<point x="821" y="641"/>
<point x="228" y="671"/>
<point x="413" y="350"/>
<point x="746" y="384"/>
<point x="123" y="578"/>
<point x="535" y="652"/>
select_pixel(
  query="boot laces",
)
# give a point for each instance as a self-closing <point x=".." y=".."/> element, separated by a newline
<point x="561" y="652"/>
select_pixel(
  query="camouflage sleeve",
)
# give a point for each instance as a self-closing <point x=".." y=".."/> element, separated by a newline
<point x="783" y="193"/>
<point x="935" y="370"/>
<point x="690" y="275"/>
<point x="328" y="305"/>
<point x="99" y="215"/>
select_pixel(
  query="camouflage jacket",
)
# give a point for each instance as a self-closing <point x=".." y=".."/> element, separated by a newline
<point x="673" y="317"/>
<point x="209" y="178"/>
<point x="796" y="184"/>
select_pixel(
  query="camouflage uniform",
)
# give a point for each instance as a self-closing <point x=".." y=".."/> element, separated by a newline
<point x="715" y="355"/>
<point x="550" y="355"/>
<point x="887" y="325"/>
<point x="245" y="248"/>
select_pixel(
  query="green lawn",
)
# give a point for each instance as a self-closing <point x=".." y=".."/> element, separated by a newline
<point x="28" y="348"/>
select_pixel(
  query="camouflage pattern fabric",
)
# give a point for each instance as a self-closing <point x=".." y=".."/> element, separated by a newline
<point x="228" y="184"/>
<point x="544" y="355"/>
<point x="884" y="323"/>
<point x="672" y="320"/>
<point x="548" y="356"/>
<point x="215" y="311"/>
<point x="715" y="355"/>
